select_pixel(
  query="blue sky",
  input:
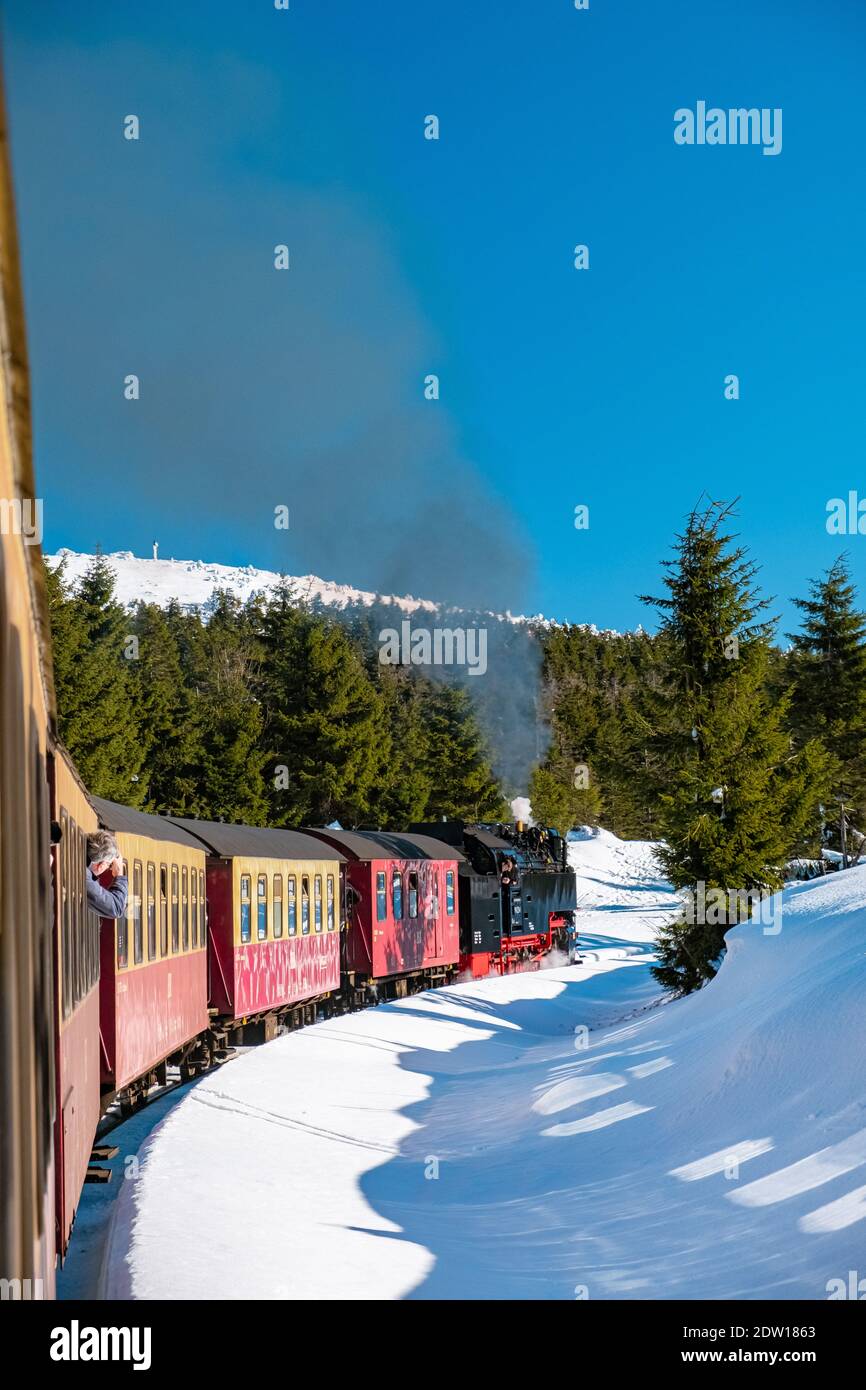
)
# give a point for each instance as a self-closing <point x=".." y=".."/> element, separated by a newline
<point x="558" y="387"/>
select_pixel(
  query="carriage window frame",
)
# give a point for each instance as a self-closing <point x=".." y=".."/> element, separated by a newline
<point x="246" y="912"/>
<point x="184" y="907"/>
<point x="137" y="934"/>
<point x="412" y="893"/>
<point x="317" y="903"/>
<point x="193" y="907"/>
<point x="305" y="905"/>
<point x="202" y="912"/>
<point x="449" y="892"/>
<point x="175" y="910"/>
<point x="122" y="933"/>
<point x="261" y="907"/>
<point x="292" y="905"/>
<point x="277" y="906"/>
<point x="151" y="910"/>
<point x="381" y="896"/>
<point x="397" y="895"/>
<point x="78" y="922"/>
<point x="65" y="907"/>
<point x="162" y="911"/>
<point x="330" y="903"/>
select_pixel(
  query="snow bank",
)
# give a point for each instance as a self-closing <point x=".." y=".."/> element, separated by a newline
<point x="552" y="1135"/>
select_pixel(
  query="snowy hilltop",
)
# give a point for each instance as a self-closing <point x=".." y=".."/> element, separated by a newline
<point x="193" y="583"/>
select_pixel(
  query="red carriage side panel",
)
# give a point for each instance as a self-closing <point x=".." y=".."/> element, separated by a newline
<point x="107" y="1001"/>
<point x="361" y="878"/>
<point x="255" y="976"/>
<point x="158" y="1008"/>
<point x="424" y="935"/>
<point x="220" y="938"/>
<point x="269" y="974"/>
<point x="153" y="960"/>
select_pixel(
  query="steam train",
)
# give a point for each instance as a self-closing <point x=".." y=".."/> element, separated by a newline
<point x="230" y="932"/>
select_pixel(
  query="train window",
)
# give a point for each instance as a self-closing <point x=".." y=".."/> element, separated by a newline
<point x="78" y="926"/>
<point x="63" y="856"/>
<point x="151" y="912"/>
<point x="184" y="907"/>
<point x="305" y="906"/>
<point x="413" y="895"/>
<point x="317" y="885"/>
<point x="449" y="892"/>
<point x="245" y="907"/>
<point x="194" y="907"/>
<point x="123" y="934"/>
<point x="202" y="910"/>
<point x="136" y="913"/>
<point x="175" y="912"/>
<point x="277" y="910"/>
<point x="331" y="917"/>
<point x="397" y="896"/>
<point x="163" y="911"/>
<point x="434" y="894"/>
<point x="381" y="898"/>
<point x="291" y="905"/>
<point x="262" y="908"/>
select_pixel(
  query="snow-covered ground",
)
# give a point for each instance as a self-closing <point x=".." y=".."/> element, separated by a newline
<point x="551" y="1135"/>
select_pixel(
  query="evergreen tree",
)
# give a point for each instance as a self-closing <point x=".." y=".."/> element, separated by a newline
<point x="462" y="782"/>
<point x="169" y="714"/>
<point x="231" y="782"/>
<point x="402" y="791"/>
<point x="739" y="798"/>
<point x="827" y="671"/>
<point x="95" y="684"/>
<point x="327" y="736"/>
<point x="557" y="802"/>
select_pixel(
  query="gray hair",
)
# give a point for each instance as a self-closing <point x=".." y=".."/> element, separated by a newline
<point x="101" y="847"/>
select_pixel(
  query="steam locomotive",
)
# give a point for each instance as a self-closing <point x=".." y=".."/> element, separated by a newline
<point x="517" y="895"/>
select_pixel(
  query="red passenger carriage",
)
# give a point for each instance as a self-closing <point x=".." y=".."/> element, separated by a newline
<point x="153" y="960"/>
<point x="275" y="912"/>
<point x="402" y="911"/>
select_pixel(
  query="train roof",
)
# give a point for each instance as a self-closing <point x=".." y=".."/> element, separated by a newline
<point x="126" y="821"/>
<point x="381" y="844"/>
<point x="411" y="846"/>
<point x="256" y="841"/>
<point x="452" y="832"/>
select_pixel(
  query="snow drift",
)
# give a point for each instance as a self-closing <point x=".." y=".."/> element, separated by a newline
<point x="553" y="1135"/>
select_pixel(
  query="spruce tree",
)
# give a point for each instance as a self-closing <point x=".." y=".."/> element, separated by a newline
<point x="95" y="683"/>
<point x="403" y="786"/>
<point x="462" y="782"/>
<point x="231" y="780"/>
<point x="739" y="797"/>
<point x="327" y="737"/>
<point x="169" y="714"/>
<point x="827" y="671"/>
<point x="557" y="802"/>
